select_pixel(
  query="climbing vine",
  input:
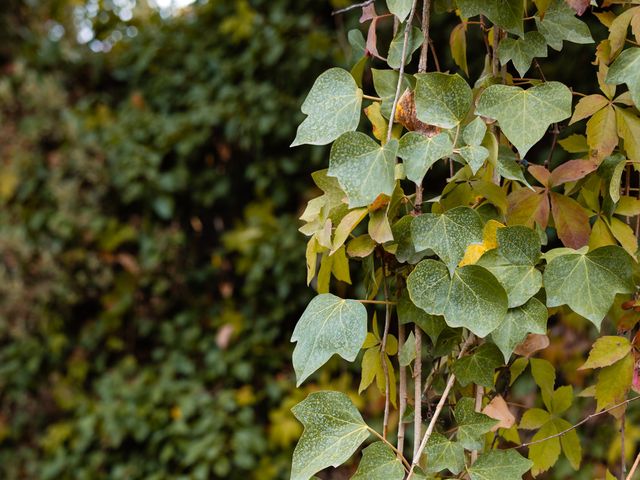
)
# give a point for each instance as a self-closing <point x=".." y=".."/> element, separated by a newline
<point x="459" y="277"/>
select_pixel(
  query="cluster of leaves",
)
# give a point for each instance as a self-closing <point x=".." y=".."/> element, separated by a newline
<point x="502" y="244"/>
<point x="140" y="327"/>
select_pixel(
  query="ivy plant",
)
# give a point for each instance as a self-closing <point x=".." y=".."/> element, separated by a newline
<point x="478" y="261"/>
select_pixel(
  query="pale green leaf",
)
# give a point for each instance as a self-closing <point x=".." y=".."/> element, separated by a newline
<point x="371" y="368"/>
<point x="361" y="246"/>
<point x="519" y="244"/>
<point x="522" y="51"/>
<point x="504" y="13"/>
<point x="385" y="83"/>
<point x="500" y="465"/>
<point x="333" y="431"/>
<point x="574" y="143"/>
<point x="379" y="228"/>
<point x="628" y="128"/>
<point x="432" y="325"/>
<point x="458" y="45"/>
<point x="474" y="155"/>
<point x="441" y="99"/>
<point x="626" y="69"/>
<point x="471" y="298"/>
<point x="528" y="318"/>
<point x="471" y="424"/>
<point x="333" y="108"/>
<point x="525" y="115"/>
<point x="517" y="367"/>
<point x="406" y="251"/>
<point x="614" y="382"/>
<point x="329" y="325"/>
<point x="560" y="24"/>
<point x="441" y="453"/>
<point x="379" y="462"/>
<point x="363" y="168"/>
<point x="570" y="443"/>
<point x="474" y="132"/>
<point x="400" y="8"/>
<point x="606" y="351"/>
<point x="588" y="283"/>
<point x="561" y="399"/>
<point x="395" y="48"/>
<point x="448" y="233"/>
<point x="408" y="351"/>
<point x="419" y="152"/>
<point x="346" y="226"/>
<point x="611" y="170"/>
<point x="508" y="167"/>
<point x="534" y="418"/>
<point x="544" y="374"/>
<point x="479" y="366"/>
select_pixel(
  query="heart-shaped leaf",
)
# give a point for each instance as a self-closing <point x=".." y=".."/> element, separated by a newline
<point x="333" y="431"/>
<point x="500" y="465"/>
<point x="441" y="99"/>
<point x="560" y="24"/>
<point x="522" y="51"/>
<point x="363" y="168"/>
<point x="504" y="13"/>
<point x="332" y="106"/>
<point x="419" y="152"/>
<point x="528" y="318"/>
<point x="379" y="462"/>
<point x="525" y="115"/>
<point x="329" y="325"/>
<point x="626" y="69"/>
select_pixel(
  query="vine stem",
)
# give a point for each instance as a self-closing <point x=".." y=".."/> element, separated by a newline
<point x="581" y="422"/>
<point x="478" y="408"/>
<point x="370" y="97"/>
<point x="376" y="302"/>
<point x="402" y="393"/>
<point x="417" y="391"/>
<point x="634" y="467"/>
<point x="438" y="410"/>
<point x="352" y="7"/>
<point x="424" y="52"/>
<point x="383" y="353"/>
<point x="405" y="46"/>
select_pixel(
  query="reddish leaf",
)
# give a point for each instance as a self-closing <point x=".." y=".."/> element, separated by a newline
<point x="571" y="171"/>
<point x="540" y="173"/>
<point x="372" y="40"/>
<point x="571" y="221"/>
<point x="368" y="13"/>
<point x="578" y="5"/>
<point x="533" y="343"/>
<point x="527" y="206"/>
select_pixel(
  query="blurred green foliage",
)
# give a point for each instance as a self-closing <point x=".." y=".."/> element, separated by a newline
<point x="150" y="266"/>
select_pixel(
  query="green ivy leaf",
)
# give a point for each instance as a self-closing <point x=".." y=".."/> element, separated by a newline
<point x="408" y="351"/>
<point x="333" y="431"/>
<point x="504" y="13"/>
<point x="528" y="318"/>
<point x="560" y="24"/>
<point x="333" y="108"/>
<point x="363" y="168"/>
<point x="470" y="298"/>
<point x="441" y="99"/>
<point x="474" y="155"/>
<point x="508" y="166"/>
<point x="479" y="366"/>
<point x="448" y="233"/>
<point x="441" y="453"/>
<point x="471" y="424"/>
<point x="385" y="83"/>
<point x="606" y="351"/>
<point x="519" y="245"/>
<point x="419" y="152"/>
<point x="474" y="132"/>
<point x="500" y="465"/>
<point x="400" y="8"/>
<point x="525" y="115"/>
<point x="522" y="51"/>
<point x="626" y="69"/>
<point x="588" y="283"/>
<point x="379" y="462"/>
<point x="405" y="251"/>
<point x="329" y="325"/>
<point x="432" y="325"/>
<point x="395" y="48"/>
<point x="521" y="282"/>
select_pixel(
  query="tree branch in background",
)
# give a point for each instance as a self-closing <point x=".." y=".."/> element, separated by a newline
<point x="353" y="7"/>
<point x="383" y="352"/>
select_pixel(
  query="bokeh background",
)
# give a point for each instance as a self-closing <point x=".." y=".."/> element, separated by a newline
<point x="151" y="271"/>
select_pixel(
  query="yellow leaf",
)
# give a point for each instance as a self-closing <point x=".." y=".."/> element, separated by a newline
<point x="378" y="123"/>
<point x="613" y="384"/>
<point x="600" y="235"/>
<point x="602" y="135"/>
<point x="489" y="242"/>
<point x="624" y="234"/>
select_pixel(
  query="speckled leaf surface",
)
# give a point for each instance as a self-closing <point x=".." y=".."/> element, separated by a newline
<point x="520" y="245"/>
<point x="333" y="108"/>
<point x="471" y="297"/>
<point x="363" y="168"/>
<point x="522" y="51"/>
<point x="441" y="453"/>
<point x="560" y="24"/>
<point x="432" y="325"/>
<point x="400" y="8"/>
<point x="504" y="13"/>
<point x="588" y="283"/>
<point x="471" y="424"/>
<point x="626" y="69"/>
<point x="442" y="99"/>
<point x="333" y="430"/>
<point x="474" y="132"/>
<point x="448" y="234"/>
<point x="419" y="152"/>
<point x="395" y="48"/>
<point x="329" y="325"/>
<point x="525" y="115"/>
<point x="528" y="318"/>
<point x="385" y="83"/>
<point x="500" y="465"/>
<point x="474" y="155"/>
<point x="379" y="462"/>
<point x="479" y="366"/>
<point x="521" y="282"/>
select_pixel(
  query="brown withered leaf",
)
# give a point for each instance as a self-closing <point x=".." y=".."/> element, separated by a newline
<point x="406" y="115"/>
<point x="532" y="344"/>
<point x="498" y="409"/>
